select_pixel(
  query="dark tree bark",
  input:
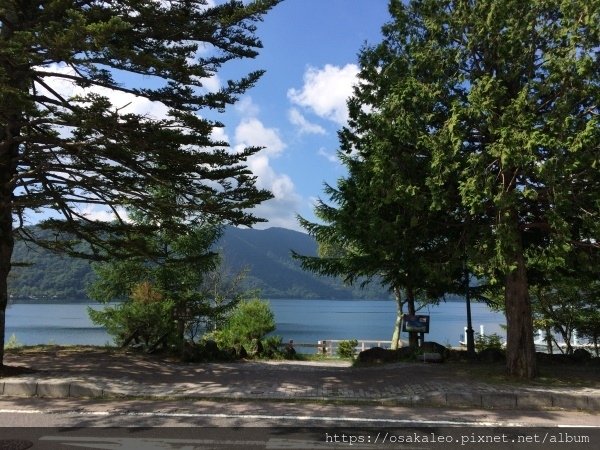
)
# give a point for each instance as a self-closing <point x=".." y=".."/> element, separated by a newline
<point x="413" y="336"/>
<point x="6" y="231"/>
<point x="520" y="347"/>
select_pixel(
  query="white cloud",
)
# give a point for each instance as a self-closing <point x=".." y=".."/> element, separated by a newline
<point x="246" y="107"/>
<point x="329" y="156"/>
<point x="199" y="7"/>
<point x="104" y="215"/>
<point x="219" y="134"/>
<point x="280" y="185"/>
<point x="122" y="101"/>
<point x="134" y="104"/>
<point x="281" y="210"/>
<point x="211" y="84"/>
<point x="304" y="126"/>
<point x="251" y="132"/>
<point x="325" y="91"/>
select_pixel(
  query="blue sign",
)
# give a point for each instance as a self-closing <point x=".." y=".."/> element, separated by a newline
<point x="419" y="324"/>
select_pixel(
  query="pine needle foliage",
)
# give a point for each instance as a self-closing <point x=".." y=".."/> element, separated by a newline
<point x="69" y="69"/>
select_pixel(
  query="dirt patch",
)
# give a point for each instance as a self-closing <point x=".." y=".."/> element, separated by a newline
<point x="15" y="371"/>
<point x="86" y="361"/>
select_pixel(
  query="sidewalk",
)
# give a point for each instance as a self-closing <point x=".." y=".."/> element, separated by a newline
<point x="104" y="374"/>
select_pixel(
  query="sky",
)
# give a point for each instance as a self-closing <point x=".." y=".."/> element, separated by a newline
<point x="310" y="53"/>
<point x="295" y="111"/>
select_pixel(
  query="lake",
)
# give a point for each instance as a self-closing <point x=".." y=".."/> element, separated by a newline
<point x="304" y="321"/>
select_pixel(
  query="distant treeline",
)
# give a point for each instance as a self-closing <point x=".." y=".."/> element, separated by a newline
<point x="42" y="276"/>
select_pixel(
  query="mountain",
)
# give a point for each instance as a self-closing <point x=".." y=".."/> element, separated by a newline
<point x="266" y="254"/>
<point x="40" y="274"/>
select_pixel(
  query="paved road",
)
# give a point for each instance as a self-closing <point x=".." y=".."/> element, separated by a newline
<point x="185" y="425"/>
<point x="33" y="412"/>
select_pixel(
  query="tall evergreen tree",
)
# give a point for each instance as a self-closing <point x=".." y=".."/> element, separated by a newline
<point x="523" y="139"/>
<point x="382" y="221"/>
<point x="68" y="152"/>
<point x="485" y="111"/>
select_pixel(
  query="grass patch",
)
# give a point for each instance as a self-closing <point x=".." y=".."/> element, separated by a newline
<point x="48" y="348"/>
<point x="318" y="357"/>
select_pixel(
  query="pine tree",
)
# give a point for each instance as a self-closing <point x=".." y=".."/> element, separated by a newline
<point x="71" y="151"/>
<point x="522" y="140"/>
<point x="381" y="221"/>
<point x="480" y="116"/>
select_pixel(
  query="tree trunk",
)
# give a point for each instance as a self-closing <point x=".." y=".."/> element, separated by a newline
<point x="549" y="346"/>
<point x="567" y="334"/>
<point x="10" y="129"/>
<point x="6" y="237"/>
<point x="520" y="347"/>
<point x="396" y="342"/>
<point x="4" y="270"/>
<point x="9" y="152"/>
<point x="413" y="336"/>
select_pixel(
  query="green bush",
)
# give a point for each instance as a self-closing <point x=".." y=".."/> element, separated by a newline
<point x="148" y="322"/>
<point x="488" y="341"/>
<point x="346" y="348"/>
<point x="271" y="347"/>
<point x="248" y="323"/>
<point x="12" y="342"/>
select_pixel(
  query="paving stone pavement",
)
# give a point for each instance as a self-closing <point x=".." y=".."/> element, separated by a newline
<point x="105" y="374"/>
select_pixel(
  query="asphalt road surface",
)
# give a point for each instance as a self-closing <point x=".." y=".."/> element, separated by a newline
<point x="178" y="425"/>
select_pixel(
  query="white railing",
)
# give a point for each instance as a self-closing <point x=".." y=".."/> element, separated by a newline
<point x="329" y="346"/>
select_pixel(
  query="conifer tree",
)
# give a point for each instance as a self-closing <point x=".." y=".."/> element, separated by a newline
<point x="381" y="221"/>
<point x="68" y="150"/>
<point x="485" y="111"/>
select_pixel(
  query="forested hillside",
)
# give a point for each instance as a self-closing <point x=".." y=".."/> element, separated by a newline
<point x="265" y="253"/>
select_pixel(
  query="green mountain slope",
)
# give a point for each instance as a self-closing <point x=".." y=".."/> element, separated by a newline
<point x="265" y="253"/>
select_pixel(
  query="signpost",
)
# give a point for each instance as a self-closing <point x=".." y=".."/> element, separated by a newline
<point x="416" y="323"/>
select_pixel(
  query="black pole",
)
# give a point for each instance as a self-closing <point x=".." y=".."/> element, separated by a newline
<point x="470" y="333"/>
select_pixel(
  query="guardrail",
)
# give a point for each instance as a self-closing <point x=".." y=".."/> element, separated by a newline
<point x="329" y="346"/>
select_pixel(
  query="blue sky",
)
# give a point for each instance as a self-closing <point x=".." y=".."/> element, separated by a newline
<point x="310" y="57"/>
<point x="295" y="111"/>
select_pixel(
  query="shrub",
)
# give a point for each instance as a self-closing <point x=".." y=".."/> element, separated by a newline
<point x="248" y="323"/>
<point x="145" y="318"/>
<point x="271" y="347"/>
<point x="12" y="342"/>
<point x="491" y="341"/>
<point x="346" y="348"/>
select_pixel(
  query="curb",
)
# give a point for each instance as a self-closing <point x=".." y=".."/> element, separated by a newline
<point x="60" y="388"/>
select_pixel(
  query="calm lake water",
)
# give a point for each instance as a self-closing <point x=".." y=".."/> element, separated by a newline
<point x="304" y="321"/>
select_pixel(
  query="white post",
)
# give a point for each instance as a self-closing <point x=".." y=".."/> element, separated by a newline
<point x="322" y="347"/>
<point x="481" y="330"/>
